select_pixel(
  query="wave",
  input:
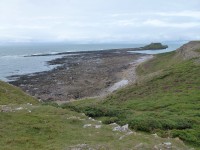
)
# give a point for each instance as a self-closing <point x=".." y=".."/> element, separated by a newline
<point x="34" y="55"/>
<point x="52" y="53"/>
<point x="44" y="54"/>
<point x="11" y="56"/>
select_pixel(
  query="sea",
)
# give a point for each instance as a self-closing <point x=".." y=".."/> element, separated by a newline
<point x="13" y="60"/>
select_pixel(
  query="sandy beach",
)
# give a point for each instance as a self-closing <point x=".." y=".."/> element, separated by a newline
<point x="80" y="75"/>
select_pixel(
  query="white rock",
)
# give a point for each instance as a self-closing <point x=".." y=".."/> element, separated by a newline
<point x="125" y="128"/>
<point x="29" y="104"/>
<point x="167" y="145"/>
<point x="97" y="126"/>
<point x="19" y="108"/>
<point x="122" y="129"/>
<point x="118" y="128"/>
<point x="87" y="125"/>
<point x="156" y="147"/>
<point x="114" y="124"/>
<point x="155" y="135"/>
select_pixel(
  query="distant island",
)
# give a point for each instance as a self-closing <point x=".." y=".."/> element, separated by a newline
<point x="154" y="46"/>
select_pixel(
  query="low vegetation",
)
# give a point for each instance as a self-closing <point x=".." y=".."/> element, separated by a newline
<point x="29" y="125"/>
<point x="13" y="95"/>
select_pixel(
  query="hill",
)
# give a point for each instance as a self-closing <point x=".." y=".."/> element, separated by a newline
<point x="26" y="124"/>
<point x="13" y="95"/>
<point x="154" y="46"/>
<point x="164" y="100"/>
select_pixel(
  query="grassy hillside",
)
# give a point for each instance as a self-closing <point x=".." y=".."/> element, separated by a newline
<point x="26" y="124"/>
<point x="50" y="128"/>
<point x="165" y="100"/>
<point x="13" y="95"/>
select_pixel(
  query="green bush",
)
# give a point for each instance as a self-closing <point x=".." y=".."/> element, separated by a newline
<point x="145" y="124"/>
<point x="99" y="111"/>
<point x="168" y="124"/>
<point x="183" y="124"/>
<point x="94" y="110"/>
<point x="176" y="123"/>
<point x="190" y="136"/>
<point x="110" y="120"/>
<point x="71" y="107"/>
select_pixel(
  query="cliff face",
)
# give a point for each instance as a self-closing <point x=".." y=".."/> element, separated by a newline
<point x="189" y="50"/>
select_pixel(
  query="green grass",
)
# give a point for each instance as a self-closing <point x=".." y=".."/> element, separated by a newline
<point x="24" y="126"/>
<point x="48" y="127"/>
<point x="167" y="103"/>
<point x="13" y="95"/>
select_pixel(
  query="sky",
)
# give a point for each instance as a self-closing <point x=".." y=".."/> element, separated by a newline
<point x="99" y="21"/>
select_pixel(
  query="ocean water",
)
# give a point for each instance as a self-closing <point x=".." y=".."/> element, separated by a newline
<point x="14" y="62"/>
<point x="171" y="47"/>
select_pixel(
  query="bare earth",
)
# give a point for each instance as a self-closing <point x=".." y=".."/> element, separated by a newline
<point x="81" y="75"/>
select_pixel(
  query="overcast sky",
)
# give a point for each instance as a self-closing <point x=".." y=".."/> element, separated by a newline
<point x="99" y="21"/>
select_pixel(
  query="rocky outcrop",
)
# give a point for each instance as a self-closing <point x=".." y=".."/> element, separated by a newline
<point x="122" y="128"/>
<point x="189" y="50"/>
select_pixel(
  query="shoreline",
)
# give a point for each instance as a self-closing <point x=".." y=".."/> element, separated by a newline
<point x="128" y="76"/>
<point x="82" y="75"/>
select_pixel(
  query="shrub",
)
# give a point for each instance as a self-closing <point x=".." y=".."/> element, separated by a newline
<point x="100" y="111"/>
<point x="183" y="124"/>
<point x="93" y="111"/>
<point x="110" y="120"/>
<point x="191" y="136"/>
<point x="145" y="124"/>
<point x="168" y="124"/>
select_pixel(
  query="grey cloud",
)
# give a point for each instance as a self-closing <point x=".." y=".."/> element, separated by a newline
<point x="99" y="20"/>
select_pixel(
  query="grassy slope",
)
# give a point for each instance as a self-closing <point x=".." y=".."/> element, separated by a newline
<point x="10" y="94"/>
<point x="166" y="101"/>
<point x="24" y="126"/>
<point x="47" y="127"/>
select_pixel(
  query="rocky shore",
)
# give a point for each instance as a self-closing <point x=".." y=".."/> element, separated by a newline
<point x="82" y="74"/>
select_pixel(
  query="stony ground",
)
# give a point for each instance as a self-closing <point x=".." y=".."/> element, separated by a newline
<point x="81" y="75"/>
